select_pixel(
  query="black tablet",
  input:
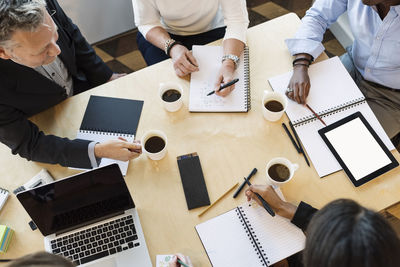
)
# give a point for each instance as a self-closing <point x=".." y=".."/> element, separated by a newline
<point x="358" y="149"/>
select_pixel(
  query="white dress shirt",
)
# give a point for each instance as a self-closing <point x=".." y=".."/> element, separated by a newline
<point x="58" y="73"/>
<point x="376" y="48"/>
<point x="190" y="17"/>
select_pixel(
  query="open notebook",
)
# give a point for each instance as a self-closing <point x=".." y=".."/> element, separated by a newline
<point x="249" y="236"/>
<point x="107" y="118"/>
<point x="333" y="96"/>
<point x="202" y="82"/>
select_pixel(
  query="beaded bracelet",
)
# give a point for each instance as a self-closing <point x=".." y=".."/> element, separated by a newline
<point x="301" y="64"/>
<point x="301" y="59"/>
<point x="168" y="50"/>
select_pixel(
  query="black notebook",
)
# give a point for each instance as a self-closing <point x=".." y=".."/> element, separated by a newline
<point x="108" y="118"/>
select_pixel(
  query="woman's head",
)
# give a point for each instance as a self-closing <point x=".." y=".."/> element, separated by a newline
<point x="344" y="233"/>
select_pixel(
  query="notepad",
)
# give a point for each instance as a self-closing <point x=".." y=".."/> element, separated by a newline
<point x="107" y="118"/>
<point x="4" y="194"/>
<point x="334" y="96"/>
<point x="6" y="235"/>
<point x="249" y="236"/>
<point x="202" y="82"/>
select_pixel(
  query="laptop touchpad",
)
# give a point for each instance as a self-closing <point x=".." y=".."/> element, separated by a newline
<point x="110" y="262"/>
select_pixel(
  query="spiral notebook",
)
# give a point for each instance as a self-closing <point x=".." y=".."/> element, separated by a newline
<point x="334" y="96"/>
<point x="202" y="82"/>
<point x="107" y="118"/>
<point x="249" y="236"/>
<point x="3" y="197"/>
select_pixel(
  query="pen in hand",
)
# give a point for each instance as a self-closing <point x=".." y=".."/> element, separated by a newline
<point x="224" y="86"/>
<point x="263" y="202"/>
<point x="182" y="263"/>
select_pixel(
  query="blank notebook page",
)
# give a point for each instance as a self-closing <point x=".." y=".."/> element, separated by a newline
<point x="226" y="242"/>
<point x="278" y="237"/>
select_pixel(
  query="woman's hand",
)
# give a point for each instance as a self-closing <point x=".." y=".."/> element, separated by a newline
<point x="284" y="209"/>
<point x="174" y="261"/>
<point x="226" y="74"/>
<point x="183" y="59"/>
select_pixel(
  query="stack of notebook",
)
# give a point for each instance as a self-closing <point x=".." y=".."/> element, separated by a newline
<point x="6" y="234"/>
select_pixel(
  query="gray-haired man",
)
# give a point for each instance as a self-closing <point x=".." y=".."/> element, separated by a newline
<point x="44" y="59"/>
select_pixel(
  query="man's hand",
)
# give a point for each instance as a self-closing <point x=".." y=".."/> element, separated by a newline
<point x="118" y="149"/>
<point x="226" y="73"/>
<point x="184" y="61"/>
<point x="300" y="84"/>
<point x="116" y="76"/>
<point x="181" y="257"/>
<point x="281" y="207"/>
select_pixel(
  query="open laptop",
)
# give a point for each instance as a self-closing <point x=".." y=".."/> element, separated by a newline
<point x="89" y="218"/>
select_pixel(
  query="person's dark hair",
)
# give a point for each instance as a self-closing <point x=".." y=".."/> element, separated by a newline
<point x="345" y="234"/>
<point x="41" y="259"/>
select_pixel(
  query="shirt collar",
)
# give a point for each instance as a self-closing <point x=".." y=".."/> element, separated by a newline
<point x="397" y="9"/>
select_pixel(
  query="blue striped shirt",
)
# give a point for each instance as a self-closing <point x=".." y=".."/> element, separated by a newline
<point x="376" y="48"/>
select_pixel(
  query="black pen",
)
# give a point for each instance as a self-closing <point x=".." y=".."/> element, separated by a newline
<point x="244" y="183"/>
<point x="264" y="203"/>
<point x="298" y="141"/>
<point x="224" y="86"/>
<point x="291" y="137"/>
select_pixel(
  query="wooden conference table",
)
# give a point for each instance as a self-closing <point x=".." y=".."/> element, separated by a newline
<point x="229" y="146"/>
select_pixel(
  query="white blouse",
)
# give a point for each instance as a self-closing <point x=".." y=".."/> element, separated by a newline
<point x="189" y="17"/>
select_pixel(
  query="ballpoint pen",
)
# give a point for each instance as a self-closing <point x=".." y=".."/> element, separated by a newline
<point x="224" y="86"/>
<point x="244" y="183"/>
<point x="263" y="202"/>
<point x="298" y="141"/>
<point x="182" y="263"/>
<point x="291" y="138"/>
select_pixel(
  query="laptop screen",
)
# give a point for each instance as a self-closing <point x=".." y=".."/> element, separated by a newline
<point x="78" y="200"/>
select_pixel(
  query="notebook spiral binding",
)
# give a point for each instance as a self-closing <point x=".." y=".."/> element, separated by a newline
<point x="100" y="132"/>
<point x="329" y="112"/>
<point x="262" y="256"/>
<point x="246" y="59"/>
<point x="3" y="191"/>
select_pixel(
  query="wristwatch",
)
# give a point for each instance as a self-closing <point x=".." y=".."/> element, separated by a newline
<point x="167" y="45"/>
<point x="234" y="58"/>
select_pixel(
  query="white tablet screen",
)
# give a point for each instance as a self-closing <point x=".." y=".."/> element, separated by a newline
<point x="357" y="148"/>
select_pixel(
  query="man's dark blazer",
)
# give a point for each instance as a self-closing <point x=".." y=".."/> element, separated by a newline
<point x="24" y="92"/>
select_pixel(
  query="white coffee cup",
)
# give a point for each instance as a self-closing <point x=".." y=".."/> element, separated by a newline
<point x="175" y="105"/>
<point x="269" y="96"/>
<point x="291" y="166"/>
<point x="160" y="154"/>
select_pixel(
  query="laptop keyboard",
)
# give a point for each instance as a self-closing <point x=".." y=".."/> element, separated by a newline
<point x="97" y="242"/>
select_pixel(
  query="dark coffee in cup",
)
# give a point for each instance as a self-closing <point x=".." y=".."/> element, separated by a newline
<point x="274" y="106"/>
<point x="279" y="172"/>
<point x="154" y="144"/>
<point x="171" y="95"/>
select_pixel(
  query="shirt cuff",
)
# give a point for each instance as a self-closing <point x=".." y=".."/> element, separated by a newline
<point x="298" y="46"/>
<point x="237" y="31"/>
<point x="303" y="215"/>
<point x="95" y="162"/>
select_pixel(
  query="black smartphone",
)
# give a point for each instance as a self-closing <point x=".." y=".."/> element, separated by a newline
<point x="193" y="183"/>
